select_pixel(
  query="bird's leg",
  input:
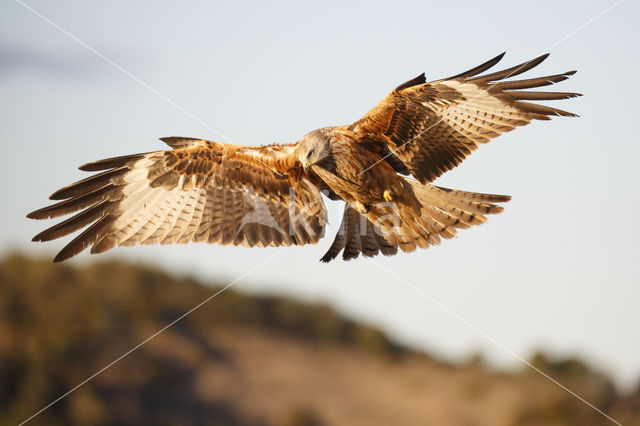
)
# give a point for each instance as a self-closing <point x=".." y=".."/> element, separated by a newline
<point x="388" y="195"/>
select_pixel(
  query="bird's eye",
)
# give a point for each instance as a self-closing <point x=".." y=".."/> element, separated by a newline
<point x="310" y="153"/>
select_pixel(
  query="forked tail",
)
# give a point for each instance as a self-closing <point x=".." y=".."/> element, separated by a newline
<point x="388" y="226"/>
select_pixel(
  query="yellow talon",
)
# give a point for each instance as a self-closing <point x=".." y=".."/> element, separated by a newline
<point x="387" y="195"/>
<point x="361" y="207"/>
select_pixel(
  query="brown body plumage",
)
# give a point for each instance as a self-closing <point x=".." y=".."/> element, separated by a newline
<point x="271" y="195"/>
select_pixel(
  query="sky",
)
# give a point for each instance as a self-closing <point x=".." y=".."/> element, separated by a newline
<point x="81" y="81"/>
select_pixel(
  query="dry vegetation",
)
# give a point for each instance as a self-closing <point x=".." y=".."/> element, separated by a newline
<point x="246" y="360"/>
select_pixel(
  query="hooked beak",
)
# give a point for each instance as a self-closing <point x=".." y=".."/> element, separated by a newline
<point x="306" y="166"/>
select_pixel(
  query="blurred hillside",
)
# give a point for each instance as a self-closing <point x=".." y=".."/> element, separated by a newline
<point x="246" y="360"/>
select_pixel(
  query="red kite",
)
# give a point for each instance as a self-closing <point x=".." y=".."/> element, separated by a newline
<point x="271" y="195"/>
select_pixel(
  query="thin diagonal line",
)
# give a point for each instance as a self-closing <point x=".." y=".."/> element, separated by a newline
<point x="491" y="339"/>
<point x="120" y="68"/>
<point x="585" y="24"/>
<point x="509" y="75"/>
<point x="260" y="265"/>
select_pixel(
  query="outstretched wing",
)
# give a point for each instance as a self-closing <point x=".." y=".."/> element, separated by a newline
<point x="432" y="127"/>
<point x="199" y="191"/>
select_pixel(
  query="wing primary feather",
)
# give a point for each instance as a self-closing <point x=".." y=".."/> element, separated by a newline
<point x="531" y="82"/>
<point x="513" y="71"/>
<point x="542" y="111"/>
<point x="73" y="223"/>
<point x="82" y="241"/>
<point x="110" y="163"/>
<point x="73" y="204"/>
<point x="466" y="195"/>
<point x="480" y="68"/>
<point x="541" y="96"/>
<point x="89" y="184"/>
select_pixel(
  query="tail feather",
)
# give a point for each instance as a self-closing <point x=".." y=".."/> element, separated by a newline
<point x="388" y="226"/>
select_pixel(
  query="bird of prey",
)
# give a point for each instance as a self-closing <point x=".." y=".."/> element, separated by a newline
<point x="381" y="166"/>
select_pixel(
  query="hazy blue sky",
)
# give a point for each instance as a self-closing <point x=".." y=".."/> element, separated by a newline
<point x="558" y="269"/>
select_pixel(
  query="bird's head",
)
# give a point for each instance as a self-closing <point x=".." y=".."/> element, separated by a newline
<point x="314" y="148"/>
